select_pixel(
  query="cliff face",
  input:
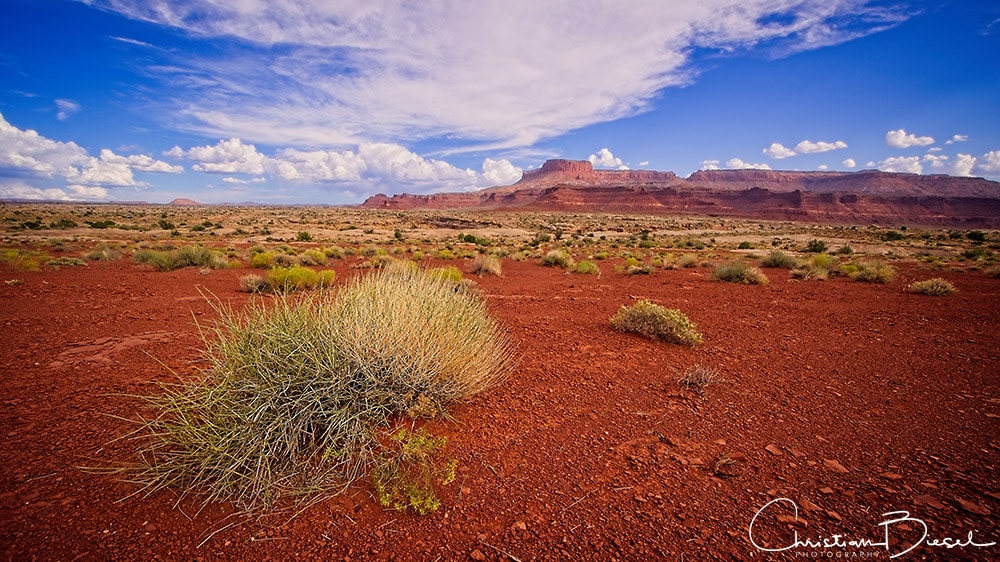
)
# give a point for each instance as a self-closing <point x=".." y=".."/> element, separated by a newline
<point x="840" y="197"/>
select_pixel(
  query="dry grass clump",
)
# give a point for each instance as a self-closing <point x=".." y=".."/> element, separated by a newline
<point x="777" y="258"/>
<point x="187" y="256"/>
<point x="488" y="264"/>
<point x="297" y="392"/>
<point x="687" y="260"/>
<point x="739" y="272"/>
<point x="654" y="321"/>
<point x="557" y="257"/>
<point x="697" y="378"/>
<point x="297" y="278"/>
<point x="587" y="267"/>
<point x="874" y="272"/>
<point x="936" y="287"/>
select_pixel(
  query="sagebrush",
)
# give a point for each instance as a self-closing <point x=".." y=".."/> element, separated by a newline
<point x="654" y="321"/>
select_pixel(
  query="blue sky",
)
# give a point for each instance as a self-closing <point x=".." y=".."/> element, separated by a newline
<point x="319" y="101"/>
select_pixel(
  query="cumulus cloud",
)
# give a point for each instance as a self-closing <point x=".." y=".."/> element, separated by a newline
<point x="349" y="72"/>
<point x="605" y="159"/>
<point x="809" y="147"/>
<point x="225" y="157"/>
<point x="26" y="154"/>
<point x="902" y="164"/>
<point x="737" y="164"/>
<point x="778" y="151"/>
<point x="957" y="138"/>
<point x="500" y="172"/>
<point x="990" y="163"/>
<point x="849" y="163"/>
<point x="67" y="109"/>
<point x="709" y="165"/>
<point x="964" y="163"/>
<point x="900" y="139"/>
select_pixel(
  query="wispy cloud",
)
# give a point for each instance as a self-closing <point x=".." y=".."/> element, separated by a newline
<point x="495" y="73"/>
<point x="66" y="109"/>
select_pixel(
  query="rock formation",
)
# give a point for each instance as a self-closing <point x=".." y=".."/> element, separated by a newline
<point x="868" y="196"/>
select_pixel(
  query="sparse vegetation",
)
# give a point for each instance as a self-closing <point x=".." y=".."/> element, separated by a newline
<point x="587" y="267"/>
<point x="559" y="258"/>
<point x="815" y="246"/>
<point x="698" y="378"/>
<point x="935" y="287"/>
<point x="739" y="272"/>
<point x="874" y="272"/>
<point x="488" y="264"/>
<point x="687" y="260"/>
<point x="405" y="473"/>
<point x="297" y="278"/>
<point x="187" y="256"/>
<point x="777" y="258"/>
<point x="654" y="321"/>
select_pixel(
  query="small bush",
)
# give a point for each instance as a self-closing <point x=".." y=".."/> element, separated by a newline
<point x="698" y="378"/>
<point x="687" y="260"/>
<point x="809" y="273"/>
<point x="104" y="252"/>
<point x="23" y="260"/>
<point x="450" y="274"/>
<point x="935" y="287"/>
<point x="816" y="246"/>
<point x="745" y="246"/>
<point x="559" y="258"/>
<point x="587" y="267"/>
<point x="654" y="321"/>
<point x="297" y="278"/>
<point x="405" y="474"/>
<point x="65" y="260"/>
<point x="777" y="258"/>
<point x="739" y="272"/>
<point x="253" y="284"/>
<point x="312" y="257"/>
<point x="874" y="272"/>
<point x="262" y="260"/>
<point x="486" y="263"/>
<point x="641" y="269"/>
<point x="303" y="236"/>
<point x="845" y="250"/>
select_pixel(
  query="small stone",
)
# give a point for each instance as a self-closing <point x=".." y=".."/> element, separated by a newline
<point x="834" y="466"/>
<point x="796" y="453"/>
<point x="928" y="500"/>
<point x="891" y="476"/>
<point x="696" y="461"/>
<point x="477" y="555"/>
<point x="773" y="449"/>
<point x="826" y="491"/>
<point x="792" y="520"/>
<point x="834" y="515"/>
<point x="809" y="506"/>
<point x="973" y="507"/>
<point x="519" y="526"/>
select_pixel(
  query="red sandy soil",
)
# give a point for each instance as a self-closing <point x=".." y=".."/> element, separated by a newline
<point x="850" y="399"/>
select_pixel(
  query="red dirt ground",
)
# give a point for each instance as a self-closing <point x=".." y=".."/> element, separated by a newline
<point x="850" y="399"/>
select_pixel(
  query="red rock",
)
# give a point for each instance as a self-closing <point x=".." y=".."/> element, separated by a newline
<point x="773" y="449"/>
<point x="928" y="500"/>
<point x="477" y="555"/>
<point x="834" y="466"/>
<point x="973" y="507"/>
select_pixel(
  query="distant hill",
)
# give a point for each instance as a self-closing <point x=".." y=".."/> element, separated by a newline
<point x="181" y="202"/>
<point x="867" y="196"/>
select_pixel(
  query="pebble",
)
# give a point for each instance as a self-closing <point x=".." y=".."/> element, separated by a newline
<point x="834" y="466"/>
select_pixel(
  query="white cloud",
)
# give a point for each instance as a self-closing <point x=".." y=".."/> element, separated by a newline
<point x="349" y="72"/>
<point x="778" y="151"/>
<point x="990" y="163"/>
<point x="964" y="163"/>
<point x="902" y="164"/>
<point x="709" y="165"/>
<point x="605" y="159"/>
<point x="500" y="172"/>
<point x="67" y="109"/>
<point x="644" y="163"/>
<point x="900" y="139"/>
<point x="809" y="147"/>
<point x="849" y="163"/>
<point x="737" y="164"/>
<point x="26" y="154"/>
<point x="822" y="167"/>
<point x="957" y="138"/>
<point x="225" y="157"/>
<point x="16" y="189"/>
<point x="241" y="181"/>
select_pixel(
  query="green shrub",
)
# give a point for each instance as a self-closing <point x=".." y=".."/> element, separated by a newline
<point x="559" y="258"/>
<point x="824" y="261"/>
<point x="297" y="391"/>
<point x="262" y="260"/>
<point x="312" y="257"/>
<point x="65" y="260"/>
<point x="654" y="321"/>
<point x="816" y="246"/>
<point x="303" y="236"/>
<point x="745" y="246"/>
<point x="935" y="287"/>
<point x="404" y="475"/>
<point x="845" y="250"/>
<point x="587" y="267"/>
<point x="739" y="272"/>
<point x="23" y="260"/>
<point x="296" y="278"/>
<point x="486" y="263"/>
<point x="450" y="274"/>
<point x="874" y="272"/>
<point x="777" y="258"/>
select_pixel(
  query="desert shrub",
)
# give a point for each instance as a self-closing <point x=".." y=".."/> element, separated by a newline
<point x="687" y="260"/>
<point x="846" y="250"/>
<point x="65" y="260"/>
<point x="640" y="269"/>
<point x="935" y="287"/>
<point x="450" y="274"/>
<point x="874" y="272"/>
<point x="404" y="474"/>
<point x="185" y="256"/>
<point x="445" y="254"/>
<point x="654" y="321"/>
<point x="262" y="260"/>
<point x="312" y="256"/>
<point x="824" y="261"/>
<point x="777" y="258"/>
<point x="296" y="392"/>
<point x="739" y="272"/>
<point x="486" y="263"/>
<point x="296" y="278"/>
<point x="816" y="246"/>
<point x="587" y="267"/>
<point x="559" y="258"/>
<point x="809" y="273"/>
<point x="23" y="260"/>
<point x="892" y="235"/>
<point x="697" y="378"/>
<point x="744" y="245"/>
<point x="303" y="236"/>
<point x="104" y="252"/>
<point x="335" y="252"/>
<point x="253" y="284"/>
<point x="976" y="235"/>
